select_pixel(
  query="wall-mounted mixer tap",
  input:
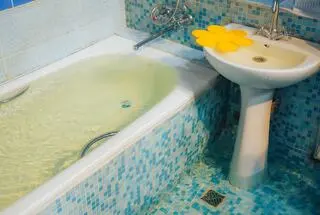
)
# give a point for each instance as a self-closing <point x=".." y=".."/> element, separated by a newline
<point x="170" y="17"/>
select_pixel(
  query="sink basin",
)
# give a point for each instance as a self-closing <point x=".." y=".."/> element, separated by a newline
<point x="259" y="69"/>
<point x="266" y="64"/>
<point x="262" y="55"/>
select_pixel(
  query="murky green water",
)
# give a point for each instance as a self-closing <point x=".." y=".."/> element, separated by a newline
<point x="43" y="131"/>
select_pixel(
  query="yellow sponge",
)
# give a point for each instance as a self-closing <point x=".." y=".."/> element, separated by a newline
<point x="226" y="47"/>
<point x="201" y="33"/>
<point x="242" y="41"/>
<point x="240" y="33"/>
<point x="216" y="29"/>
<point x="207" y="41"/>
<point x="221" y="39"/>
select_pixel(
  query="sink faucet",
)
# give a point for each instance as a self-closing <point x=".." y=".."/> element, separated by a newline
<point x="273" y="31"/>
<point x="275" y="16"/>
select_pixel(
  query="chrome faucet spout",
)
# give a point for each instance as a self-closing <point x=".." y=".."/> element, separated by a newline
<point x="275" y="16"/>
<point x="178" y="17"/>
<point x="153" y="37"/>
<point x="275" y="5"/>
<point x="273" y="31"/>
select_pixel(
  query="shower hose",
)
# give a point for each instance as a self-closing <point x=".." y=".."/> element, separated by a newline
<point x="86" y="148"/>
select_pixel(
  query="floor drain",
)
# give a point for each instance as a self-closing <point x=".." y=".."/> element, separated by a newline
<point x="213" y="198"/>
<point x="259" y="59"/>
<point x="125" y="104"/>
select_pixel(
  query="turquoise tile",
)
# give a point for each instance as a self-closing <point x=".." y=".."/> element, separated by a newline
<point x="20" y="2"/>
<point x="5" y="4"/>
<point x="286" y="192"/>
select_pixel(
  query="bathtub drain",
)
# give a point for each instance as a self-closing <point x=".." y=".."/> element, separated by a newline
<point x="126" y="104"/>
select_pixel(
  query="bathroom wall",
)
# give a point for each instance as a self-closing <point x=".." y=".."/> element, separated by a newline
<point x="220" y="12"/>
<point x="296" y="120"/>
<point x="40" y="32"/>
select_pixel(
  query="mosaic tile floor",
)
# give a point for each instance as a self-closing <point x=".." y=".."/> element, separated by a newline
<point x="286" y="192"/>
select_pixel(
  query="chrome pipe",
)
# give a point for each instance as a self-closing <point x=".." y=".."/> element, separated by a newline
<point x="275" y="16"/>
<point x="182" y="21"/>
<point x="153" y="37"/>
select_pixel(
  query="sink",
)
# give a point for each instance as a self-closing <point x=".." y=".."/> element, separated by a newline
<point x="266" y="64"/>
<point x="260" y="69"/>
<point x="263" y="55"/>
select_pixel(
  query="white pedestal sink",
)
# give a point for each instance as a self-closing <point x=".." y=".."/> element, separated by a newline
<point x="259" y="69"/>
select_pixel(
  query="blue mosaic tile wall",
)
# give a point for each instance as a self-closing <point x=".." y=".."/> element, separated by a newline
<point x="283" y="3"/>
<point x="256" y="14"/>
<point x="207" y="12"/>
<point x="6" y="4"/>
<point x="131" y="181"/>
<point x="294" y="124"/>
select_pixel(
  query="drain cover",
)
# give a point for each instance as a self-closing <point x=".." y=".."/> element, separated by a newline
<point x="259" y="59"/>
<point x="213" y="198"/>
<point x="126" y="104"/>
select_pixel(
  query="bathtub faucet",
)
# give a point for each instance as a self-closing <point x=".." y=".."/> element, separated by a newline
<point x="171" y="18"/>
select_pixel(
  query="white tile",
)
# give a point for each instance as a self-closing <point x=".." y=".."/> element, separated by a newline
<point x="94" y="10"/>
<point x="2" y="72"/>
<point x="45" y="31"/>
<point x="43" y="54"/>
<point x="34" y="23"/>
<point x="119" y="15"/>
<point x="96" y="31"/>
<point x="52" y="50"/>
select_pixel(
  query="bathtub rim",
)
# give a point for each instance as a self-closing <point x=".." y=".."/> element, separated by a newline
<point x="38" y="199"/>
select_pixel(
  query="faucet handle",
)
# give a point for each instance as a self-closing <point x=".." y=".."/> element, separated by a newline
<point x="284" y="34"/>
<point x="264" y="31"/>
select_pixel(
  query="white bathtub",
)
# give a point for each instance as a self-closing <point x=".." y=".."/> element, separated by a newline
<point x="192" y="80"/>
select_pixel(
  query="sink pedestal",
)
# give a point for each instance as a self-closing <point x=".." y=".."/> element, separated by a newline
<point x="249" y="160"/>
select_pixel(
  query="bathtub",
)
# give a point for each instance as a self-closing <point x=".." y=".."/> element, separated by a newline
<point x="124" y="174"/>
<point x="64" y="115"/>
